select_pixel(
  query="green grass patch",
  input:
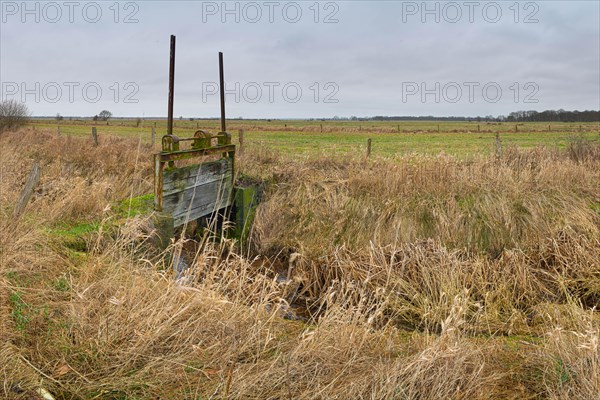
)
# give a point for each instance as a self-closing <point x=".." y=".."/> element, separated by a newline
<point x="74" y="236"/>
<point x="343" y="137"/>
<point x="61" y="284"/>
<point x="20" y="311"/>
<point x="132" y="207"/>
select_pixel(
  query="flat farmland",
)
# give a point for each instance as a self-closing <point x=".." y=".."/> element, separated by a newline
<point x="346" y="137"/>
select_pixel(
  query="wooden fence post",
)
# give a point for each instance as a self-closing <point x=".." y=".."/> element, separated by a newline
<point x="368" y="147"/>
<point x="58" y="130"/>
<point x="32" y="181"/>
<point x="241" y="138"/>
<point x="153" y="135"/>
<point x="498" y="145"/>
<point x="95" y="136"/>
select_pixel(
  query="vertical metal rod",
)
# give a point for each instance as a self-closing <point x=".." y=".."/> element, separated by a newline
<point x="171" y="86"/>
<point x="222" y="85"/>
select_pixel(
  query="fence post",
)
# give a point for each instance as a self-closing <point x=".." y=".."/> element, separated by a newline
<point x="32" y="181"/>
<point x="153" y="135"/>
<point x="58" y="130"/>
<point x="498" y="145"/>
<point x="516" y="128"/>
<point x="95" y="136"/>
<point x="368" y="147"/>
<point x="241" y="138"/>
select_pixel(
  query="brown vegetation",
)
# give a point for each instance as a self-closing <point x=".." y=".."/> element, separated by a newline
<point x="424" y="277"/>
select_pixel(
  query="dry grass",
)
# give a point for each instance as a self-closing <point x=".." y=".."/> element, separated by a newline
<point x="419" y="272"/>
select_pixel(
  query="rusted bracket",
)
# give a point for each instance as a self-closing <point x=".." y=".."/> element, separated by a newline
<point x="203" y="140"/>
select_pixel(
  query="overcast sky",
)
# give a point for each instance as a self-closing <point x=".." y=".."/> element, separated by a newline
<point x="302" y="59"/>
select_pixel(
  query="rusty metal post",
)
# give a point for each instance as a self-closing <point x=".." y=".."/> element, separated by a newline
<point x="171" y="86"/>
<point x="368" y="147"/>
<point x="222" y="85"/>
<point x="241" y="150"/>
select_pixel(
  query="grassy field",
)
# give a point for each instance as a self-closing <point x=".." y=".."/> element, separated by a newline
<point x="343" y="137"/>
<point x="414" y="274"/>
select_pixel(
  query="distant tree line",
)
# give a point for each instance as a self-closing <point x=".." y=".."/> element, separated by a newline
<point x="554" y="116"/>
<point x="104" y="115"/>
<point x="517" y="116"/>
<point x="425" y="118"/>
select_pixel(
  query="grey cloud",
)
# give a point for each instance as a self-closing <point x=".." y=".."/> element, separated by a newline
<point x="369" y="53"/>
